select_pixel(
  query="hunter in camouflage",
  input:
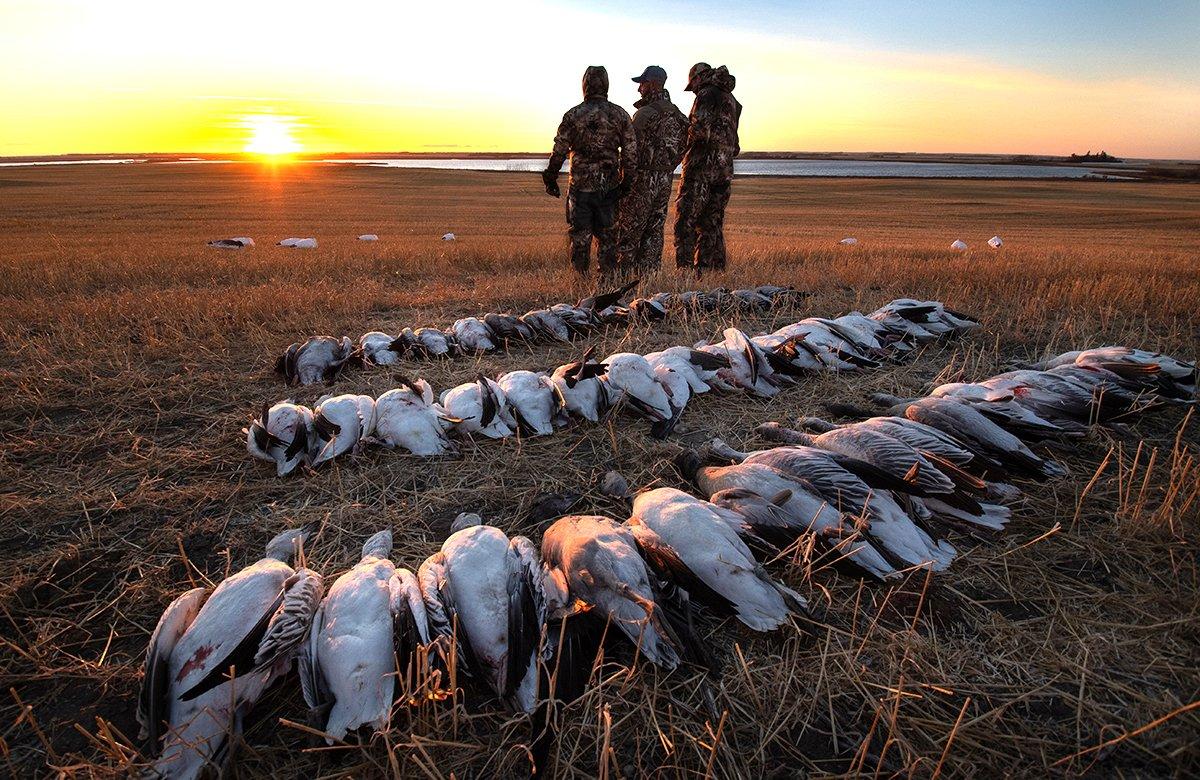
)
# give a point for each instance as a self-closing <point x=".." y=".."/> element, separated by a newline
<point x="712" y="143"/>
<point x="598" y="136"/>
<point x="660" y="129"/>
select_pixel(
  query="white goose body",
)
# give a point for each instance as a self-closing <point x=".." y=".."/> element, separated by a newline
<point x="581" y="389"/>
<point x="268" y="604"/>
<point x="702" y="538"/>
<point x="533" y="400"/>
<point x="749" y="368"/>
<point x="596" y="560"/>
<point x="376" y="348"/>
<point x="485" y="590"/>
<point x="282" y="434"/>
<point x="480" y="407"/>
<point x="407" y="417"/>
<point x="353" y="646"/>
<point x="472" y="334"/>
<point x="633" y="379"/>
<point x="698" y="368"/>
<point x="341" y="423"/>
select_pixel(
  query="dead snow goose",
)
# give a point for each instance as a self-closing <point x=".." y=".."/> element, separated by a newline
<point x="749" y="367"/>
<point x="596" y="561"/>
<point x="508" y="329"/>
<point x="254" y="621"/>
<point x="407" y="417"/>
<point x="581" y="390"/>
<point x="688" y="540"/>
<point x="547" y="325"/>
<point x="363" y="636"/>
<point x="479" y="406"/>
<point x="697" y="367"/>
<point x="533" y="400"/>
<point x="632" y="380"/>
<point x="341" y="423"/>
<point x="380" y="349"/>
<point x="474" y="335"/>
<point x="483" y="591"/>
<point x="283" y="434"/>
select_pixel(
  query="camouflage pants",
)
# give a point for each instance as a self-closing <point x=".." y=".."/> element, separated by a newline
<point x="592" y="215"/>
<point x="700" y="224"/>
<point x="640" y="222"/>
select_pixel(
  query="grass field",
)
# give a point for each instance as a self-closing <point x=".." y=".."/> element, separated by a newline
<point x="133" y="355"/>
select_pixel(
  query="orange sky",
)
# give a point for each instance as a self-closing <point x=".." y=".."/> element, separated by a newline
<point x="145" y="77"/>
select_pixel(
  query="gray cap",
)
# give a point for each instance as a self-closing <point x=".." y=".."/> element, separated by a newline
<point x="652" y="73"/>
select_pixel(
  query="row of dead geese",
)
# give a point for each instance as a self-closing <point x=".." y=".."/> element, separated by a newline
<point x="323" y="358"/>
<point x="870" y="496"/>
<point x="658" y="386"/>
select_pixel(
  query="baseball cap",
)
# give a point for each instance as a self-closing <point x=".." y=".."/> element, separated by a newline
<point x="652" y="73"/>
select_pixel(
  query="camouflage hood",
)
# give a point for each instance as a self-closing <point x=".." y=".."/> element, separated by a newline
<point x="595" y="82"/>
<point x="721" y="78"/>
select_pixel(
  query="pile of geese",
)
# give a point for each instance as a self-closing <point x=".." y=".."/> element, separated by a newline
<point x="871" y="498"/>
<point x="323" y="358"/>
<point x="657" y="386"/>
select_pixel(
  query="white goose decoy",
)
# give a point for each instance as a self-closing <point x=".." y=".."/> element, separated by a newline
<point x="474" y="335"/>
<point x="580" y="387"/>
<point x="282" y="434"/>
<point x="995" y="242"/>
<point x="631" y="379"/>
<point x="448" y="237"/>
<point x="959" y="245"/>
<point x="254" y="622"/>
<point x="342" y="423"/>
<point x="800" y="504"/>
<point x="408" y="417"/>
<point x="484" y="591"/>
<point x="299" y="243"/>
<point x="693" y="543"/>
<point x="380" y="349"/>
<point x="368" y="237"/>
<point x="533" y="400"/>
<point x="838" y="479"/>
<point x="749" y="367"/>
<point x="232" y="243"/>
<point x="479" y="406"/>
<point x="700" y="369"/>
<point x="848" y="241"/>
<point x="596" y="561"/>
<point x="319" y="359"/>
<point x="372" y="619"/>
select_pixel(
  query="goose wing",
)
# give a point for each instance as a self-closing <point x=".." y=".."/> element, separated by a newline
<point x="670" y="567"/>
<point x="279" y="632"/>
<point x="524" y="614"/>
<point x="312" y="677"/>
<point x="153" y="705"/>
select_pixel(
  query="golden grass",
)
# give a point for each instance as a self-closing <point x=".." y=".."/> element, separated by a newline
<point x="133" y="354"/>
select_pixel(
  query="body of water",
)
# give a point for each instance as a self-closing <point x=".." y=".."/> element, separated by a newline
<point x="67" y="162"/>
<point x="819" y="168"/>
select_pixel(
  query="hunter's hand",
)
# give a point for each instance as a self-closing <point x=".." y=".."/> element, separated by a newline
<point x="551" y="182"/>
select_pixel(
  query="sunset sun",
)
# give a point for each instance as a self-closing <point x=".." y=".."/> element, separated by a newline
<point x="270" y="135"/>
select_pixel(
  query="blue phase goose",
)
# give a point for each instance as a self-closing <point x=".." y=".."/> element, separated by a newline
<point x="1169" y="376"/>
<point x="282" y="434"/>
<point x="407" y="417"/>
<point x="800" y="508"/>
<point x="1002" y="408"/>
<point x="372" y="619"/>
<point x="840" y="480"/>
<point x="320" y="359"/>
<point x="534" y="401"/>
<point x="484" y="592"/>
<point x="254" y="622"/>
<point x="547" y="325"/>
<point x="342" y="423"/>
<point x="691" y="542"/>
<point x="579" y="386"/>
<point x="594" y="562"/>
<point x="479" y="407"/>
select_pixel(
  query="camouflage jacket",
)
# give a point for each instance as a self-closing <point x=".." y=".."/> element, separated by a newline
<point x="660" y="130"/>
<point x="599" y="137"/>
<point x="712" y="139"/>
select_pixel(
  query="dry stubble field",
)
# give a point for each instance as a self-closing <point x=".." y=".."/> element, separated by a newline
<point x="133" y="355"/>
